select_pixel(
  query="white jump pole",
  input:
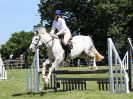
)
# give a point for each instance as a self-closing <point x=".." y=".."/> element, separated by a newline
<point x="33" y="80"/>
<point x="118" y="76"/>
<point x="3" y="73"/>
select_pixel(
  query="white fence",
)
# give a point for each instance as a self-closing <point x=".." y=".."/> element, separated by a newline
<point x="118" y="76"/>
<point x="130" y="62"/>
<point x="125" y="61"/>
<point x="3" y="73"/>
<point x="33" y="80"/>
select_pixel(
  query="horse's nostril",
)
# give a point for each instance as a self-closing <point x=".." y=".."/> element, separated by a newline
<point x="30" y="49"/>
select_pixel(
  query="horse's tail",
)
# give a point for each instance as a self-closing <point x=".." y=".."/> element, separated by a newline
<point x="99" y="57"/>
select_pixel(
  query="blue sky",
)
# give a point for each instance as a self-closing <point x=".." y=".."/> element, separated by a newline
<point x="17" y="15"/>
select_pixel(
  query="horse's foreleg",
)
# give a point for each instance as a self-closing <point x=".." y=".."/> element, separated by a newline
<point x="44" y="68"/>
<point x="54" y="64"/>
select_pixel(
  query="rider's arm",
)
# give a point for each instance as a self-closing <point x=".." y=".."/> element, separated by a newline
<point x="53" y="28"/>
<point x="63" y="27"/>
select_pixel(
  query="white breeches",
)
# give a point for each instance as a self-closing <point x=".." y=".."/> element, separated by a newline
<point x="67" y="36"/>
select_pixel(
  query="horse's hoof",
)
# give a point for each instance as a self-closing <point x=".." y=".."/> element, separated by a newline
<point x="95" y="68"/>
<point x="90" y="67"/>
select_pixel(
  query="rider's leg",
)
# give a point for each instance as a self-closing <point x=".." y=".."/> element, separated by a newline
<point x="67" y="36"/>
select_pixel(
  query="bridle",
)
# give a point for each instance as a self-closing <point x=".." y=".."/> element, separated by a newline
<point x="42" y="42"/>
<point x="37" y="42"/>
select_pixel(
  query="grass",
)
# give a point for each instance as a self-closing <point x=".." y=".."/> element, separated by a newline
<point x="15" y="88"/>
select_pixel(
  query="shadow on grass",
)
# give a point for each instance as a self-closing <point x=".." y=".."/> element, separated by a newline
<point x="42" y="93"/>
<point x="23" y="94"/>
<point x="36" y="93"/>
<point x="18" y="94"/>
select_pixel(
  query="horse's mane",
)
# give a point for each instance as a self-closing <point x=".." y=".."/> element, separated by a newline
<point x="39" y="30"/>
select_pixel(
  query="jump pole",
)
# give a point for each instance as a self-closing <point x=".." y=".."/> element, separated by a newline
<point x="33" y="80"/>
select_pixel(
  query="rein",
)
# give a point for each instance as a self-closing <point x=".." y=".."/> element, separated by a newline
<point x="48" y="41"/>
<point x="42" y="42"/>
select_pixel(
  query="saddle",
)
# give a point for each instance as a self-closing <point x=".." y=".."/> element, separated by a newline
<point x="67" y="47"/>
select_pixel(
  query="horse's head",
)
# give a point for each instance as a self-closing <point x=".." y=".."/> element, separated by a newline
<point x="39" y="30"/>
<point x="36" y="40"/>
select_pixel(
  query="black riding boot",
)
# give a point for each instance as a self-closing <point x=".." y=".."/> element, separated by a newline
<point x="67" y="51"/>
<point x="68" y="48"/>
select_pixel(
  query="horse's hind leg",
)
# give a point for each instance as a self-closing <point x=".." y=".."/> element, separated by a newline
<point x="94" y="63"/>
<point x="89" y="62"/>
<point x="93" y="60"/>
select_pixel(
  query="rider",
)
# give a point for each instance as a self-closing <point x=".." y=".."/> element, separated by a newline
<point x="60" y="24"/>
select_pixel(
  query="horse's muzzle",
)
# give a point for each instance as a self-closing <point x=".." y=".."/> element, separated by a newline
<point x="31" y="49"/>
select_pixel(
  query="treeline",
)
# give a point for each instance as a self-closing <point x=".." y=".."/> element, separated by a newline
<point x="101" y="19"/>
<point x="18" y="45"/>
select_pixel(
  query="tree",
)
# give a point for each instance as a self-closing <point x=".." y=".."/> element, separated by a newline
<point x="99" y="18"/>
<point x="17" y="45"/>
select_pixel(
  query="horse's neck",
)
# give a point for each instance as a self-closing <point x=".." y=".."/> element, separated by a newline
<point x="47" y="40"/>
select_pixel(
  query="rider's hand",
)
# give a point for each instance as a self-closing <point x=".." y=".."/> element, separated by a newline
<point x="55" y="36"/>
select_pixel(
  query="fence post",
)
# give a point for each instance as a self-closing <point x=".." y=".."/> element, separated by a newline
<point x="33" y="81"/>
<point x="129" y="62"/>
<point x="110" y="66"/>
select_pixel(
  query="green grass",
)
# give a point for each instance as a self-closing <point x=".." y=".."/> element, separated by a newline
<point x="15" y="88"/>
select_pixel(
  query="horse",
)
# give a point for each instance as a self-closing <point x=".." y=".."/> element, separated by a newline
<point x="83" y="47"/>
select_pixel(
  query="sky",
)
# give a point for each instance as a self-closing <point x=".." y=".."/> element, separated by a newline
<point x="16" y="16"/>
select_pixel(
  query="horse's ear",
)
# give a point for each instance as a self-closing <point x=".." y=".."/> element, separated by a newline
<point x="37" y="32"/>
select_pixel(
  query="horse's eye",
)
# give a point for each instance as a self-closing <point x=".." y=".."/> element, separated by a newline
<point x="36" y="38"/>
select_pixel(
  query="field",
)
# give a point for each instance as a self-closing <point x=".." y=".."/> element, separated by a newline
<point x="15" y="88"/>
